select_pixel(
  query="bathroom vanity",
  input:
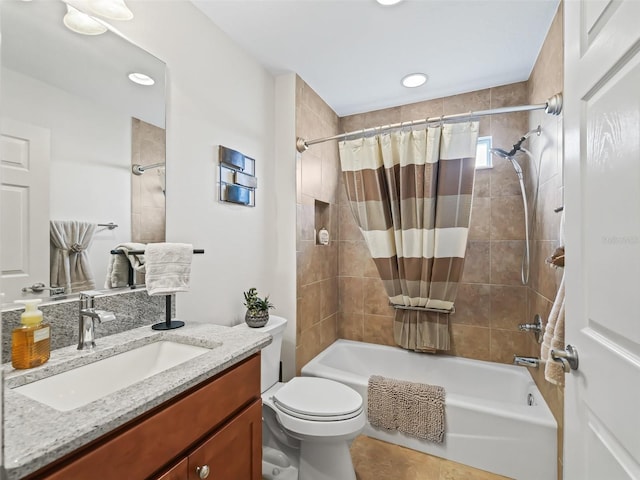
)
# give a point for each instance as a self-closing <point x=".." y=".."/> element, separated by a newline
<point x="199" y="419"/>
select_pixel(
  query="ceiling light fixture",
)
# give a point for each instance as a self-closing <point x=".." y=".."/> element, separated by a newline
<point x="414" y="80"/>
<point x="388" y="2"/>
<point x="79" y="22"/>
<point x="111" y="9"/>
<point x="141" y="79"/>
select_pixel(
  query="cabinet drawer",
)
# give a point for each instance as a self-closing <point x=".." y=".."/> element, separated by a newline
<point x="234" y="452"/>
<point x="143" y="446"/>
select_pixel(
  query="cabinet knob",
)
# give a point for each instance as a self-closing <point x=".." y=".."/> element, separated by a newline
<point x="203" y="472"/>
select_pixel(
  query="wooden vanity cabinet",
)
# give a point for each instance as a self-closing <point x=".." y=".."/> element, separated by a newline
<point x="216" y="425"/>
<point x="234" y="452"/>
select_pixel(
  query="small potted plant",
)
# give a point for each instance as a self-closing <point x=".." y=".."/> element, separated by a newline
<point x="257" y="308"/>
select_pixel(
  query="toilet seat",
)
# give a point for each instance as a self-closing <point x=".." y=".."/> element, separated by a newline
<point x="319" y="426"/>
<point x="318" y="399"/>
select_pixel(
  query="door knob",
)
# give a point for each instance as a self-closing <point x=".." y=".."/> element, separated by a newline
<point x="203" y="471"/>
<point x="568" y="357"/>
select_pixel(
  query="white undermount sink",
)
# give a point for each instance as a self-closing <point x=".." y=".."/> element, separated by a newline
<point x="82" y="385"/>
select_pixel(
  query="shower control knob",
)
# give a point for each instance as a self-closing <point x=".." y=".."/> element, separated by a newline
<point x="203" y="472"/>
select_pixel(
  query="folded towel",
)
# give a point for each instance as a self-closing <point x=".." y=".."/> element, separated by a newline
<point x="554" y="339"/>
<point x="168" y="267"/>
<point x="416" y="409"/>
<point x="69" y="262"/>
<point x="118" y="269"/>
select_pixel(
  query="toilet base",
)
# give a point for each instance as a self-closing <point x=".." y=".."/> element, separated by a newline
<point x="276" y="465"/>
<point x="326" y="461"/>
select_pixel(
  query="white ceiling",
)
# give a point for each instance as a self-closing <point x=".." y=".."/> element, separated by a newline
<point x="353" y="53"/>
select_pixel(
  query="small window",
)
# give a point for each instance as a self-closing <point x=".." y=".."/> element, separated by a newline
<point x="483" y="153"/>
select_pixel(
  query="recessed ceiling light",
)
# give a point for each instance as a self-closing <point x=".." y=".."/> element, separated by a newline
<point x="414" y="80"/>
<point x="388" y="2"/>
<point x="141" y="79"/>
<point x="79" y="22"/>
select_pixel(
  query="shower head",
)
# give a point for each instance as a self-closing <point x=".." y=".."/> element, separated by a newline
<point x="501" y="153"/>
<point x="509" y="156"/>
<point x="517" y="147"/>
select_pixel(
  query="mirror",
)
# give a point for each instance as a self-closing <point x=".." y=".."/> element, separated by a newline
<point x="69" y="116"/>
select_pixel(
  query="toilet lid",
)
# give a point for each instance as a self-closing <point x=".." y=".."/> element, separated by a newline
<point x="318" y="399"/>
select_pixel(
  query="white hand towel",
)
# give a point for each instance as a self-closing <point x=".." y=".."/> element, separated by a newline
<point x="118" y="269"/>
<point x="168" y="267"/>
<point x="554" y="338"/>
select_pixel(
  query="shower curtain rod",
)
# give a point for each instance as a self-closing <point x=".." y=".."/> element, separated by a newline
<point x="552" y="107"/>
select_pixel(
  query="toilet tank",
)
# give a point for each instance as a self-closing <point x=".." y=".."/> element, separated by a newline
<point x="270" y="355"/>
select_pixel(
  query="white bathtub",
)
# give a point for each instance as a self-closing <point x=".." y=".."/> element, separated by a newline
<point x="489" y="423"/>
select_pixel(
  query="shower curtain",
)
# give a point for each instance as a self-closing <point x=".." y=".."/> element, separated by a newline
<point x="70" y="267"/>
<point x="410" y="193"/>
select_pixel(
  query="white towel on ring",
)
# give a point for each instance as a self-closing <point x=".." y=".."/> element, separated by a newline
<point x="168" y="267"/>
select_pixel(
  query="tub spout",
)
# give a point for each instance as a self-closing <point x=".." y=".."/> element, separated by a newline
<point x="526" y="361"/>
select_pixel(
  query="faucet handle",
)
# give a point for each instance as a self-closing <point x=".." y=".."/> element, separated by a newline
<point x="535" y="327"/>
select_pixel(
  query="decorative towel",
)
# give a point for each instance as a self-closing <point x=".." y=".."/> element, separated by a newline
<point x="168" y="267"/>
<point x="118" y="269"/>
<point x="416" y="409"/>
<point x="554" y="339"/>
<point x="557" y="258"/>
<point x="69" y="262"/>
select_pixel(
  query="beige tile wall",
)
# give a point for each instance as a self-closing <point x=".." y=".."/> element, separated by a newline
<point x="317" y="265"/>
<point x="491" y="299"/>
<point x="147" y="198"/>
<point x="546" y="80"/>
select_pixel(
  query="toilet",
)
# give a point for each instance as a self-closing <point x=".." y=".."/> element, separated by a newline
<point x="308" y="422"/>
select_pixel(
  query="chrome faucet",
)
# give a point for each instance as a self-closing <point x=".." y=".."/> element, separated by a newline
<point x="88" y="315"/>
<point x="526" y="361"/>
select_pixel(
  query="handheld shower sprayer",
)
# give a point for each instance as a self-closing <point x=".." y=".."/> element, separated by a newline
<point x="517" y="147"/>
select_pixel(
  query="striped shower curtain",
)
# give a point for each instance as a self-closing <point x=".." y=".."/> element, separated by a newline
<point x="410" y="193"/>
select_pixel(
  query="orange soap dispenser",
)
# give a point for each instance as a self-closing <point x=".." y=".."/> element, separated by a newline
<point x="31" y="342"/>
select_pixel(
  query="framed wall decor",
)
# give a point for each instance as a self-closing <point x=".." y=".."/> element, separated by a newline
<point x="238" y="180"/>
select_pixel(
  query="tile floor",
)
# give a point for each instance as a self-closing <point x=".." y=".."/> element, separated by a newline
<point x="377" y="460"/>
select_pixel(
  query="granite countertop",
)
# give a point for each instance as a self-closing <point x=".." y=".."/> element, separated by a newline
<point x="36" y="435"/>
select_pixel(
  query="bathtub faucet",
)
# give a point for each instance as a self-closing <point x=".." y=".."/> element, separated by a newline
<point x="526" y="361"/>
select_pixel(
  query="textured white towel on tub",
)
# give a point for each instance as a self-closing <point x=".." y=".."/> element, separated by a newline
<point x="416" y="409"/>
<point x="168" y="267"/>
<point x="553" y="338"/>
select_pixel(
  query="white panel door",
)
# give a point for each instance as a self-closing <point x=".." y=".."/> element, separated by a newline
<point x="24" y="207"/>
<point x="602" y="202"/>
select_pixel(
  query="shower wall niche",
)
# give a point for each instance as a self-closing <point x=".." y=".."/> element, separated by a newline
<point x="322" y="221"/>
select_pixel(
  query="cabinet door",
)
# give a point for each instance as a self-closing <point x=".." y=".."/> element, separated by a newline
<point x="177" y="472"/>
<point x="234" y="452"/>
